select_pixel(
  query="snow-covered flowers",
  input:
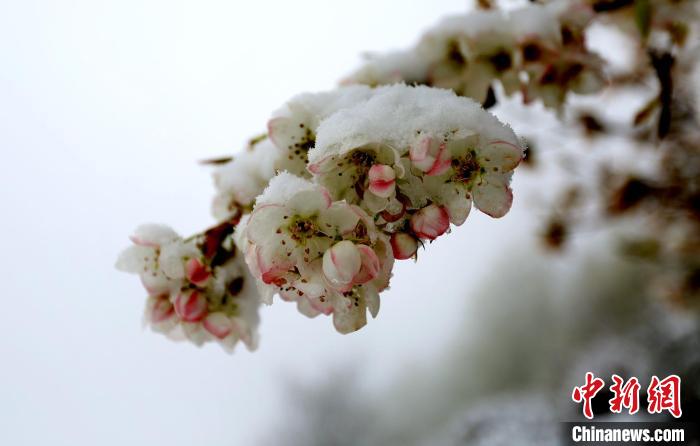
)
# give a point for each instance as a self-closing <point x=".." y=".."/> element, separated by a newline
<point x="344" y="183"/>
<point x="406" y="149"/>
<point x="538" y="50"/>
<point x="197" y="288"/>
<point x="326" y="256"/>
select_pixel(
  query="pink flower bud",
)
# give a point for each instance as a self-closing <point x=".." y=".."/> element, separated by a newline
<point x="191" y="306"/>
<point x="218" y="324"/>
<point x="197" y="272"/>
<point x="161" y="309"/>
<point x="370" y="265"/>
<point x="403" y="245"/>
<point x="430" y="222"/>
<point x="382" y="180"/>
<point x="341" y="263"/>
<point x="431" y="156"/>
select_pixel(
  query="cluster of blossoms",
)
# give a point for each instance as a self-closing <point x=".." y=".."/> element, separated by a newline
<point x="538" y="50"/>
<point x="344" y="183"/>
<point x="384" y="170"/>
<point x="348" y="181"/>
<point x="197" y="288"/>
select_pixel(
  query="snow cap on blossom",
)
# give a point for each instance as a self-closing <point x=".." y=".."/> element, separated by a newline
<point x="326" y="256"/>
<point x="394" y="114"/>
<point x="195" y="292"/>
<point x="292" y="128"/>
<point x="407" y="147"/>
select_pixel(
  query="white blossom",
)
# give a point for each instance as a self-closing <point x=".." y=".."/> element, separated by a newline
<point x="326" y="256"/>
<point x="189" y="294"/>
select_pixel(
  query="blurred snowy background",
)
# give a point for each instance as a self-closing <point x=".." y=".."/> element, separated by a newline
<point x="105" y="109"/>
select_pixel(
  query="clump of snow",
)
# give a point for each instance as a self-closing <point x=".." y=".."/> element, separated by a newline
<point x="311" y="108"/>
<point x="283" y="187"/>
<point x="397" y="113"/>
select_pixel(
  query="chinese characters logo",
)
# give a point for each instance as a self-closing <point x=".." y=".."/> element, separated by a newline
<point x="662" y="395"/>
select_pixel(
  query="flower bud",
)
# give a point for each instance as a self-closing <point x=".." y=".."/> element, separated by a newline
<point x="382" y="180"/>
<point x="341" y="263"/>
<point x="370" y="265"/>
<point x="430" y="222"/>
<point x="197" y="272"/>
<point x="403" y="245"/>
<point x="191" y="306"/>
<point x="431" y="156"/>
<point x="161" y="309"/>
<point x="218" y="324"/>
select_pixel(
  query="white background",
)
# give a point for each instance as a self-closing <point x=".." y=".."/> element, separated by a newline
<point x="105" y="109"/>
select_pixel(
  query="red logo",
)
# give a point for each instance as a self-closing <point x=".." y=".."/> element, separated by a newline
<point x="661" y="395"/>
<point x="586" y="392"/>
<point x="665" y="395"/>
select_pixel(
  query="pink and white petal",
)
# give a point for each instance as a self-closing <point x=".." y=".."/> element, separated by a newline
<point x="382" y="180"/>
<point x="341" y="264"/>
<point x="218" y="324"/>
<point x="442" y="162"/>
<point x="272" y="264"/>
<point x="403" y="245"/>
<point x="502" y="155"/>
<point x="324" y="165"/>
<point x="430" y="155"/>
<point x="196" y="272"/>
<point x="430" y="222"/>
<point x="154" y="235"/>
<point x="159" y="309"/>
<point x="370" y="265"/>
<point x="493" y="196"/>
<point x="191" y="306"/>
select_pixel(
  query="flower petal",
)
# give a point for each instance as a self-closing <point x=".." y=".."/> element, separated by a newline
<point x="493" y="196"/>
<point x="430" y="222"/>
<point x="370" y="265"/>
<point x="309" y="202"/>
<point x="403" y="246"/>
<point x="264" y="222"/>
<point x="341" y="264"/>
<point x="191" y="306"/>
<point x="218" y="324"/>
<point x="502" y="155"/>
<point x="382" y="180"/>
